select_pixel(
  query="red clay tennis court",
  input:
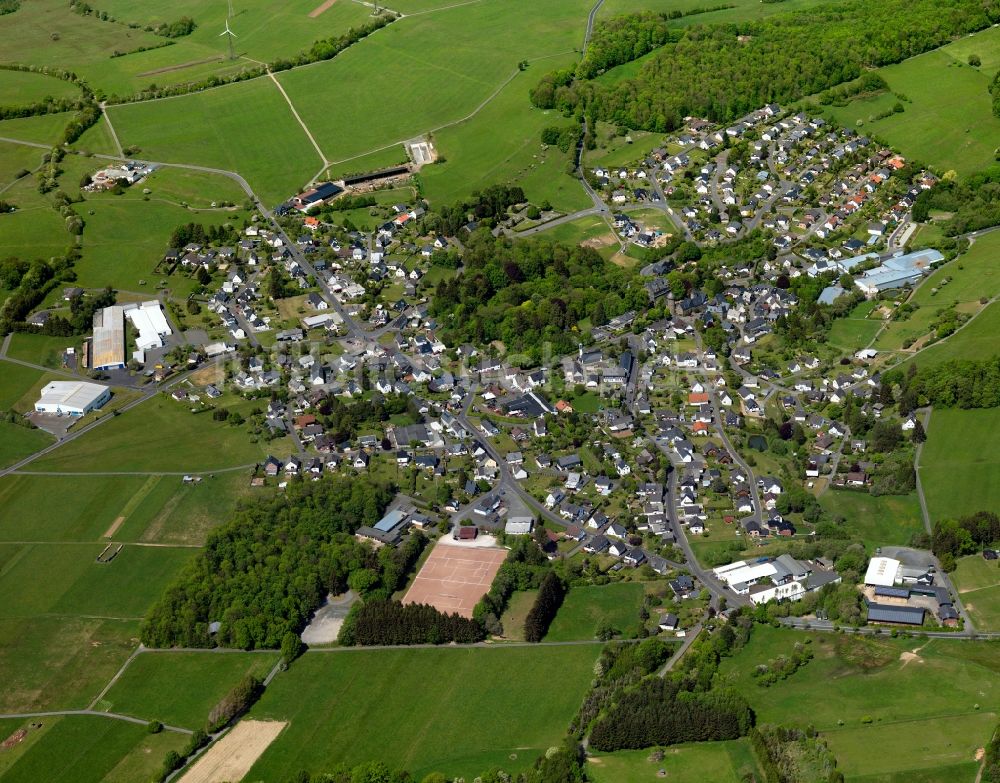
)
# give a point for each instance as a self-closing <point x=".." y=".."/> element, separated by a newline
<point x="454" y="578"/>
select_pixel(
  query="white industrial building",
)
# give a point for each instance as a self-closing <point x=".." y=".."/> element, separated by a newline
<point x="783" y="578"/>
<point x="150" y="322"/>
<point x="72" y="398"/>
<point x="882" y="572"/>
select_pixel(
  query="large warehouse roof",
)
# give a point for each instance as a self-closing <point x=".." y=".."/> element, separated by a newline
<point x="882" y="571"/>
<point x="69" y="395"/>
<point x="148" y="318"/>
<point x="108" y="347"/>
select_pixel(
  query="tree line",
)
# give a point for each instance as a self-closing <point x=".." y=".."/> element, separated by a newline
<point x="523" y="569"/>
<point x="264" y="572"/>
<point x="551" y="593"/>
<point x="956" y="383"/>
<point x="953" y="538"/>
<point x="723" y="71"/>
<point x="388" y="622"/>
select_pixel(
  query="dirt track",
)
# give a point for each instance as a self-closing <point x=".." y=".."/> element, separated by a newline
<point x="230" y="759"/>
<point x="321" y="8"/>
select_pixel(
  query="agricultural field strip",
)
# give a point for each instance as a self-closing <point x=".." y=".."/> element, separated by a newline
<point x="305" y="128"/>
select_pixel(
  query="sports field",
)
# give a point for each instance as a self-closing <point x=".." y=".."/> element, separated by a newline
<point x="959" y="464"/>
<point x="947" y="120"/>
<point x="959" y="285"/>
<point x="454" y="577"/>
<point x="181" y="688"/>
<point x="80" y="748"/>
<point x="926" y="705"/>
<point x="719" y="762"/>
<point x="586" y="609"/>
<point x="457" y="711"/>
<point x="978" y="582"/>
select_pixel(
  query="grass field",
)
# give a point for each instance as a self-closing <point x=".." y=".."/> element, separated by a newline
<point x="948" y="122"/>
<point x="447" y="75"/>
<point x="171" y="439"/>
<point x="978" y="581"/>
<point x="502" y="144"/>
<point x="933" y="710"/>
<point x="741" y="10"/>
<point x="15" y="381"/>
<point x="719" y="762"/>
<point x="517" y="611"/>
<point x="23" y="87"/>
<point x="878" y="521"/>
<point x="587" y="608"/>
<point x="959" y="464"/>
<point x="40" y="348"/>
<point x="97" y="140"/>
<point x="17" y="442"/>
<point x="976" y="340"/>
<point x="959" y="284"/>
<point x="854" y="331"/>
<point x="180" y="688"/>
<point x="79" y="748"/>
<point x="15" y="158"/>
<point x="244" y="127"/>
<point x="125" y="238"/>
<point x="459" y="711"/>
<point x="152" y="509"/>
<point x="43" y="129"/>
<point x="74" y="584"/>
<point x="35" y="230"/>
<point x="59" y="662"/>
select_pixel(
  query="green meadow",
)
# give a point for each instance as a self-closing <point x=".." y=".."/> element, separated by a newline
<point x="924" y="705"/>
<point x="947" y="120"/>
<point x="720" y="762"/>
<point x="502" y="144"/>
<point x="586" y="609"/>
<point x="882" y="520"/>
<point x="180" y="688"/>
<point x="457" y="711"/>
<point x="59" y="662"/>
<point x="125" y="238"/>
<point x="959" y="464"/>
<point x="974" y="340"/>
<point x="138" y="509"/>
<point x="978" y="583"/>
<point x="43" y="129"/>
<point x="75" y="584"/>
<point x="161" y="435"/>
<point x="246" y="127"/>
<point x="436" y="77"/>
<point x="17" y="442"/>
<point x="77" y="748"/>
<point x="15" y="158"/>
<point x="22" y="87"/>
<point x="854" y="331"/>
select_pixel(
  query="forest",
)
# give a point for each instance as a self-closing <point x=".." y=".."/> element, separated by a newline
<point x="724" y="71"/>
<point x="957" y="383"/>
<point x="264" y="572"/>
<point x="531" y="293"/>
<point x="967" y="535"/>
<point x="973" y="203"/>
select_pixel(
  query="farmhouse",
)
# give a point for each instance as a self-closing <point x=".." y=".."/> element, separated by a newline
<point x="316" y="196"/>
<point x="72" y="398"/>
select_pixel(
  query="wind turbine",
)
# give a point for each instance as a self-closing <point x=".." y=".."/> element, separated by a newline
<point x="230" y="9"/>
<point x="232" y="35"/>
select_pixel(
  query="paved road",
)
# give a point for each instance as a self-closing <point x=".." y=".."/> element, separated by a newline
<point x="590" y="24"/>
